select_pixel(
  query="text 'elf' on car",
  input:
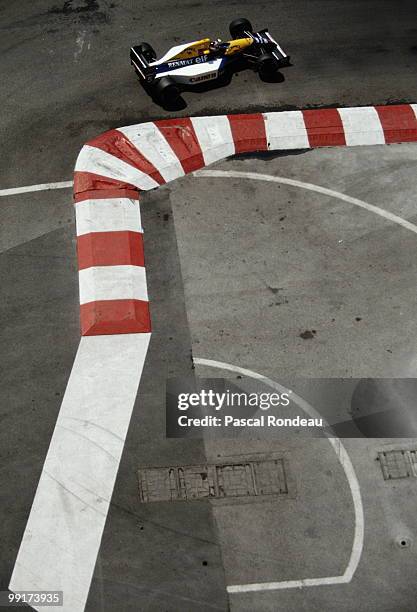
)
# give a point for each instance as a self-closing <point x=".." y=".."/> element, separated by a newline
<point x="187" y="66"/>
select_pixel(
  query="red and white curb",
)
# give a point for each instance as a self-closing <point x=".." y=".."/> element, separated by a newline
<point x="62" y="537"/>
<point x="114" y="168"/>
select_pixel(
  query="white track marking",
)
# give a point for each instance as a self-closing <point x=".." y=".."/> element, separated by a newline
<point x="40" y="187"/>
<point x="351" y="477"/>
<point x="362" y="126"/>
<point x="108" y="215"/>
<point x="63" y="533"/>
<point x="215" y="137"/>
<point x="97" y="161"/>
<point x="414" y="107"/>
<point x="113" y="283"/>
<point x="80" y="40"/>
<point x="286" y="130"/>
<point x="328" y="192"/>
<point x="148" y="139"/>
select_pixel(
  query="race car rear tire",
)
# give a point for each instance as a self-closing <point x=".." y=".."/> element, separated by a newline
<point x="147" y="51"/>
<point x="238" y="27"/>
<point x="166" y="91"/>
<point x="267" y="66"/>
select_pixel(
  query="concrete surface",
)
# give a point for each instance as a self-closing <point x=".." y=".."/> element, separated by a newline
<point x="66" y="78"/>
<point x="264" y="262"/>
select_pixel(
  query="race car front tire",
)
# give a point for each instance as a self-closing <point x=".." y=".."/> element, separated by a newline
<point x="238" y="27"/>
<point x="147" y="51"/>
<point x="166" y="91"/>
<point x="267" y="66"/>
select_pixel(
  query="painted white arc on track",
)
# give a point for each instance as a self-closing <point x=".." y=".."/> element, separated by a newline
<point x="311" y="187"/>
<point x="345" y="462"/>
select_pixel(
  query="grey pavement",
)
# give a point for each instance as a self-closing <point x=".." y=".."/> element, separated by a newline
<point x="236" y="270"/>
<point x="264" y="262"/>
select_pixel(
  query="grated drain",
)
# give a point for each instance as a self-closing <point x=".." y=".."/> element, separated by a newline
<point x="246" y="479"/>
<point x="398" y="464"/>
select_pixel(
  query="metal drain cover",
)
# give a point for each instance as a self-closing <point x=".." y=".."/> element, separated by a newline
<point x="246" y="479"/>
<point x="398" y="464"/>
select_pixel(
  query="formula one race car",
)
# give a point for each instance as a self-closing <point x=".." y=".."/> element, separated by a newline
<point x="188" y="66"/>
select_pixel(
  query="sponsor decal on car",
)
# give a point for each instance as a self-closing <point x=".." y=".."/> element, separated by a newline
<point x="204" y="77"/>
<point x="187" y="62"/>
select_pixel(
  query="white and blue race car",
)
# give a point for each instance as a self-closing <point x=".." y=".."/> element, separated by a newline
<point x="187" y="66"/>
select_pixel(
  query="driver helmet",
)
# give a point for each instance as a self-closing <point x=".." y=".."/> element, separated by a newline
<point x="215" y="44"/>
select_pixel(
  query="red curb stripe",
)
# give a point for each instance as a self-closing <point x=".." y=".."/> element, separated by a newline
<point x="248" y="132"/>
<point x="181" y="137"/>
<point x="121" y="248"/>
<point x="398" y="122"/>
<point x="324" y="128"/>
<point x="118" y="145"/>
<point x="88" y="181"/>
<point x="115" y="317"/>
<point x="105" y="194"/>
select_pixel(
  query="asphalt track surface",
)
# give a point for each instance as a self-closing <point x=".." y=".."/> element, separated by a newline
<point x="66" y="78"/>
<point x="66" y="75"/>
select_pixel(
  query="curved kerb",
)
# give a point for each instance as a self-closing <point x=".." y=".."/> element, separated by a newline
<point x="114" y="168"/>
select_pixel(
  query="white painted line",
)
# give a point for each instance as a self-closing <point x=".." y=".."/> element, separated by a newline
<point x="286" y="130"/>
<point x="63" y="533"/>
<point x="215" y="137"/>
<point x="92" y="159"/>
<point x="286" y="584"/>
<point x="414" y="107"/>
<point x="328" y="192"/>
<point x="108" y="215"/>
<point x="151" y="143"/>
<point x="362" y="126"/>
<point x="40" y="187"/>
<point x="351" y="477"/>
<point x="113" y="283"/>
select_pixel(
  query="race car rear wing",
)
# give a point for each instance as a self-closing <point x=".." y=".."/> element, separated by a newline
<point x="141" y="65"/>
<point x="278" y="52"/>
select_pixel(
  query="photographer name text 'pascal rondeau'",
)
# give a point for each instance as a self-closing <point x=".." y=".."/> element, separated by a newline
<point x="220" y="401"/>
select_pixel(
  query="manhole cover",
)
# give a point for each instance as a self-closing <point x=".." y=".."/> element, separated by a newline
<point x="398" y="464"/>
<point x="246" y="479"/>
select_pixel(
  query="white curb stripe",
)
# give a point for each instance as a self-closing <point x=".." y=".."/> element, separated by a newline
<point x="100" y="162"/>
<point x="113" y="283"/>
<point x="108" y="215"/>
<point x="63" y="534"/>
<point x="414" y="107"/>
<point x="286" y="130"/>
<point x="215" y="137"/>
<point x="362" y="126"/>
<point x="151" y="143"/>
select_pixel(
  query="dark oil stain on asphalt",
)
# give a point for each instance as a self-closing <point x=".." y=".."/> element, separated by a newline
<point x="308" y="334"/>
<point x="85" y="10"/>
<point x="73" y="7"/>
<point x="274" y="289"/>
